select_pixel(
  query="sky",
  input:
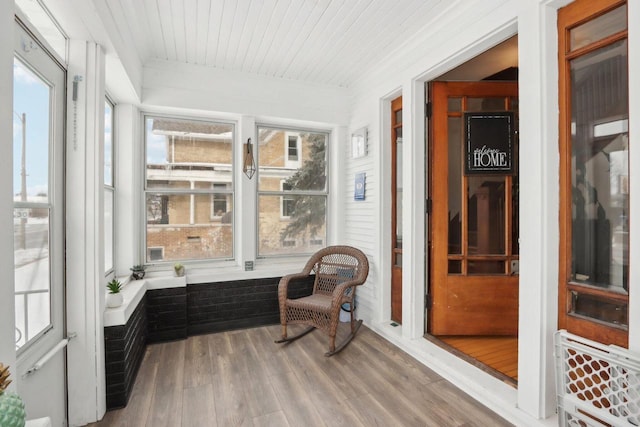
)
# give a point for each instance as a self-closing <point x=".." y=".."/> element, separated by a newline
<point x="31" y="97"/>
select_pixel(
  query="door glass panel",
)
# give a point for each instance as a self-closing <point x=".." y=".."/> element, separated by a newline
<point x="398" y="203"/>
<point x="455" y="185"/>
<point x="598" y="28"/>
<point x="485" y="104"/>
<point x="486" y="218"/>
<point x="455" y="266"/>
<point x="600" y="308"/>
<point x="398" y="117"/>
<point x="485" y="267"/>
<point x="31" y="139"/>
<point x="398" y="260"/>
<point x="454" y="105"/>
<point x="32" y="284"/>
<point x="600" y="168"/>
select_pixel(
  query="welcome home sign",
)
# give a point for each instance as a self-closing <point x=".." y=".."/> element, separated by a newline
<point x="489" y="143"/>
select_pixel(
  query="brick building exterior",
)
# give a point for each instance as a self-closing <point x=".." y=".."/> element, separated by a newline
<point x="189" y="186"/>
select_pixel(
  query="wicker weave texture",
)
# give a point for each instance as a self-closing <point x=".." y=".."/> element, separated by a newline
<point x="338" y="271"/>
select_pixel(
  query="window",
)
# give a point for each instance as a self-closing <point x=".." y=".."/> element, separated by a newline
<point x="188" y="182"/>
<point x="155" y="254"/>
<point x="287" y="202"/>
<point x="220" y="203"/>
<point x="292" y="195"/>
<point x="594" y="172"/>
<point x="292" y="149"/>
<point x="109" y="188"/>
<point x="38" y="189"/>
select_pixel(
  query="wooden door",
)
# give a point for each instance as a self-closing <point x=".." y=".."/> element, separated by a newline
<point x="474" y="221"/>
<point x="396" y="210"/>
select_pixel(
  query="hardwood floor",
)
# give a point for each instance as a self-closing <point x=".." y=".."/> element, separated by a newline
<point x="242" y="378"/>
<point x="498" y="355"/>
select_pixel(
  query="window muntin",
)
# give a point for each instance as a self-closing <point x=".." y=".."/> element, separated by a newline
<point x="188" y="175"/>
<point x="292" y="197"/>
<point x="109" y="188"/>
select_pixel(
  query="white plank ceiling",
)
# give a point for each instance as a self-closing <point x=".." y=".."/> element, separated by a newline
<point x="320" y="41"/>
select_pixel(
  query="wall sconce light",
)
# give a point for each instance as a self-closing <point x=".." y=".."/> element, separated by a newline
<point x="249" y="167"/>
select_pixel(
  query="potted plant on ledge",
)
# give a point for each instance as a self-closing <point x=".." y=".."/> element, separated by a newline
<point x="114" y="297"/>
<point x="12" y="412"/>
<point x="137" y="272"/>
<point x="179" y="269"/>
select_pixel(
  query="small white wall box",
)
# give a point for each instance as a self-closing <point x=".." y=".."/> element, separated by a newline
<point x="597" y="385"/>
<point x="359" y="143"/>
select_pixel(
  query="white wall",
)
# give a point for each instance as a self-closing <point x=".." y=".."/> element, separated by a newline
<point x="456" y="36"/>
<point x="7" y="319"/>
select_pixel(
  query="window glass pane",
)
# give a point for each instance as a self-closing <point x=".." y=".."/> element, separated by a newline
<point x="32" y="272"/>
<point x="486" y="217"/>
<point x="31" y="135"/>
<point x="306" y="222"/>
<point x="183" y="151"/>
<point x="598" y="28"/>
<point x="189" y="179"/>
<point x="485" y="104"/>
<point x="455" y="185"/>
<point x="307" y="174"/>
<point x="485" y="267"/>
<point x="180" y="226"/>
<point x="600" y="168"/>
<point x="108" y="229"/>
<point x="108" y="144"/>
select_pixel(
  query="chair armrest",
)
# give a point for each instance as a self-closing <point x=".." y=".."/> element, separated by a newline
<point x="338" y="292"/>
<point x="283" y="285"/>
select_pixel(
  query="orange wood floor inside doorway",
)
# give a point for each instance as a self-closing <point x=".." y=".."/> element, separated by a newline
<point x="494" y="354"/>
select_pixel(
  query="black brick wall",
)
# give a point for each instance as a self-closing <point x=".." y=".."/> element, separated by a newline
<point x="175" y="313"/>
<point x="166" y="314"/>
<point x="124" y="350"/>
<point x="222" y="306"/>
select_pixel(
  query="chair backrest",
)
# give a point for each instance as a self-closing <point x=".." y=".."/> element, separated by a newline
<point x="334" y="265"/>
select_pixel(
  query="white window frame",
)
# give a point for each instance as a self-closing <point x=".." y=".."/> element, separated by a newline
<point x="144" y="251"/>
<point x="267" y="168"/>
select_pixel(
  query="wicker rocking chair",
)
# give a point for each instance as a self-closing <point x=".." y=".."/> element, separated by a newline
<point x="339" y="270"/>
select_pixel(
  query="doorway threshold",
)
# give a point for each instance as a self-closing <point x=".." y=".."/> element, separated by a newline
<point x="495" y="355"/>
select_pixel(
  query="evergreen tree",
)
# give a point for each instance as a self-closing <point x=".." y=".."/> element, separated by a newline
<point x="308" y="212"/>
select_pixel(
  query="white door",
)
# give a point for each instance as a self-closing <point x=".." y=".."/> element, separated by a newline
<point x="38" y="144"/>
